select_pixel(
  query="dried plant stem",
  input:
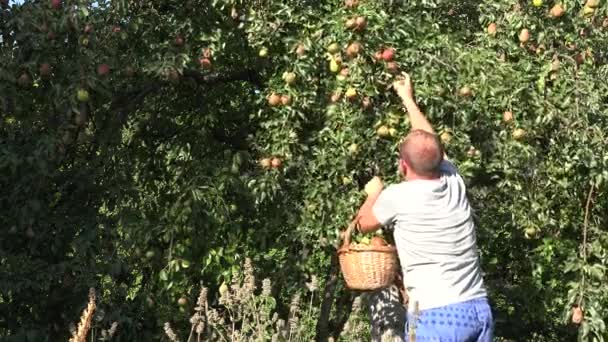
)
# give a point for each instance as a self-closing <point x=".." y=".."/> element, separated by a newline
<point x="255" y="316"/>
<point x="84" y="325"/>
<point x="191" y="333"/>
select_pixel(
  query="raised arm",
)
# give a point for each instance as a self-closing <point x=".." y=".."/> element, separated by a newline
<point x="418" y="120"/>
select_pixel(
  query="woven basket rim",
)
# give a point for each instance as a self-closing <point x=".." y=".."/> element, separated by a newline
<point x="381" y="249"/>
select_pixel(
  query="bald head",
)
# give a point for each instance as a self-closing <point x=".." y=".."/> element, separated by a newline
<point x="422" y="152"/>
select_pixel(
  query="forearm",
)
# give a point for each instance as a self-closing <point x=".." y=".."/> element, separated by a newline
<point x="417" y="118"/>
<point x="367" y="221"/>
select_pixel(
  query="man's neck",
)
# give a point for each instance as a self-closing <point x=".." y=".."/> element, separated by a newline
<point x="413" y="177"/>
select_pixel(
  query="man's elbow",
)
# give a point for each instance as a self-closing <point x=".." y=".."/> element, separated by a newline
<point x="368" y="223"/>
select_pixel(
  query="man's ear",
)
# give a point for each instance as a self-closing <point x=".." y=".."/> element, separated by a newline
<point x="402" y="167"/>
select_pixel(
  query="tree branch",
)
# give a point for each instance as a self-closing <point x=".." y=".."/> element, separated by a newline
<point x="247" y="75"/>
<point x="131" y="98"/>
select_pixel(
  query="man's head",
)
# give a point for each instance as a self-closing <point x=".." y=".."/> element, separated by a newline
<point x="420" y="155"/>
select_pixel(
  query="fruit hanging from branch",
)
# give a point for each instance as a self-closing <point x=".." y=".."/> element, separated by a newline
<point x="301" y="50"/>
<point x="182" y="301"/>
<point x="265" y="163"/>
<point x="274" y="99"/>
<point x="289" y="78"/>
<point x="285" y="100"/>
<point x="531" y="233"/>
<point x="335" y="96"/>
<point x="524" y="36"/>
<point x="577" y="315"/>
<point x="557" y="11"/>
<point x="205" y="62"/>
<point x="207" y="52"/>
<point x="378" y="56"/>
<point x="354" y="49"/>
<point x="24" y="80"/>
<point x="56" y="4"/>
<point x="465" y="91"/>
<point x="383" y="131"/>
<point x="473" y="152"/>
<point x="446" y="137"/>
<point x="350" y="24"/>
<point x="360" y="23"/>
<point x="333" y="48"/>
<point x="592" y="3"/>
<point x="492" y="28"/>
<point x="45" y="70"/>
<point x="351" y="3"/>
<point x="519" y="133"/>
<point x="82" y="95"/>
<point x="588" y="11"/>
<point x="103" y="69"/>
<point x="366" y="102"/>
<point x="178" y="41"/>
<point x="334" y="65"/>
<point x="276" y="163"/>
<point x="388" y="54"/>
<point x="350" y="94"/>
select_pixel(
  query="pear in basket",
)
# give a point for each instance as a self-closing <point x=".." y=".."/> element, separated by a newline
<point x="377" y="241"/>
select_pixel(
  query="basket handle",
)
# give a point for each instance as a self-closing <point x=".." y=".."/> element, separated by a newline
<point x="354" y="224"/>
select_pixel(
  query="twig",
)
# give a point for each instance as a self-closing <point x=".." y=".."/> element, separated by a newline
<point x="128" y="101"/>
<point x="586" y="222"/>
<point x="248" y="75"/>
<point x="584" y="247"/>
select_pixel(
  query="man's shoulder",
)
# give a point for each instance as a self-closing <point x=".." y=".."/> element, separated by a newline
<point x="398" y="189"/>
<point x="447" y="167"/>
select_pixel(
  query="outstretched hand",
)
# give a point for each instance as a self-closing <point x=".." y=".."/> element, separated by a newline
<point x="403" y="87"/>
<point x="374" y="186"/>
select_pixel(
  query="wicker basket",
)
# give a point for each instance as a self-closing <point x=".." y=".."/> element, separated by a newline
<point x="367" y="268"/>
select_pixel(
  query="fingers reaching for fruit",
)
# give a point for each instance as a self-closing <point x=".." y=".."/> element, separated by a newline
<point x="374" y="186"/>
<point x="403" y="87"/>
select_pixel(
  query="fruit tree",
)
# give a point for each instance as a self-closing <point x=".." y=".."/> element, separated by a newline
<point x="147" y="146"/>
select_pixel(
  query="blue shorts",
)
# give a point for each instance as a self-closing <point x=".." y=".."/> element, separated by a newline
<point x="469" y="321"/>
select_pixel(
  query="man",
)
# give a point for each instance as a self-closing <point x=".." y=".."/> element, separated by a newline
<point x="434" y="235"/>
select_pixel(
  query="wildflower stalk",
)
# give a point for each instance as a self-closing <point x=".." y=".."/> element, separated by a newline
<point x="80" y="334"/>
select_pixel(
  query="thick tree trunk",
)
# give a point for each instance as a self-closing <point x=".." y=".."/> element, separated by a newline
<point x="387" y="315"/>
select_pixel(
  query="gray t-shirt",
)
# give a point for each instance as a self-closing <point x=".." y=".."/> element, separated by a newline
<point x="435" y="238"/>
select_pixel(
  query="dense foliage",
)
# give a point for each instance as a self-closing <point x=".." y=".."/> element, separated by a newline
<point x="149" y="146"/>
